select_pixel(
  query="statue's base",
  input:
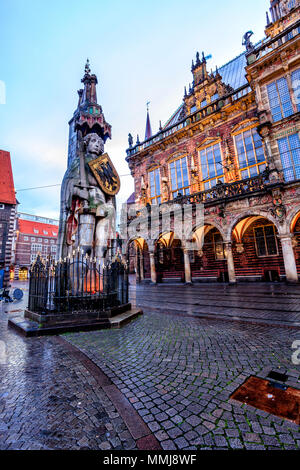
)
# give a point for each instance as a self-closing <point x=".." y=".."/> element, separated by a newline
<point x="33" y="324"/>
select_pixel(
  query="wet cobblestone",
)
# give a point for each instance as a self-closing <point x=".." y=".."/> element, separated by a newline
<point x="50" y="401"/>
<point x="180" y="372"/>
<point x="177" y="372"/>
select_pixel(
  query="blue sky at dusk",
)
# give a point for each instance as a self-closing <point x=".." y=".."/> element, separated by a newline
<point x="140" y="51"/>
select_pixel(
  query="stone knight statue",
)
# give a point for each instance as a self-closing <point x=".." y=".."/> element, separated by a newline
<point x="87" y="213"/>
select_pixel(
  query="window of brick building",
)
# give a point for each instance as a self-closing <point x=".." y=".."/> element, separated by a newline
<point x="35" y="247"/>
<point x="279" y="99"/>
<point x="211" y="166"/>
<point x="179" y="177"/>
<point x="154" y="183"/>
<point x="289" y="149"/>
<point x="26" y="239"/>
<point x="250" y="153"/>
<point x="265" y="241"/>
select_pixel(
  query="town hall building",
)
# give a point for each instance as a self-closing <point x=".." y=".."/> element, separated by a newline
<point x="233" y="145"/>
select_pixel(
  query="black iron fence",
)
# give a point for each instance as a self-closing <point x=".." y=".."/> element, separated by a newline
<point x="77" y="284"/>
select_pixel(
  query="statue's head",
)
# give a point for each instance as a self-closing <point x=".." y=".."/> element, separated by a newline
<point x="94" y="144"/>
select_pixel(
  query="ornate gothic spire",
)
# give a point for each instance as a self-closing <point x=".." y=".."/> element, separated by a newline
<point x="148" y="132"/>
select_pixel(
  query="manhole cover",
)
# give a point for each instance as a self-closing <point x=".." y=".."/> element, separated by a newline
<point x="277" y="399"/>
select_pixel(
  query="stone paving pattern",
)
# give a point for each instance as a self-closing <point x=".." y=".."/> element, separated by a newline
<point x="178" y="373"/>
<point x="48" y="400"/>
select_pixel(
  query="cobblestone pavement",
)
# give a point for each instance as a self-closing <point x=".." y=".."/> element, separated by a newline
<point x="49" y="400"/>
<point x="276" y="303"/>
<point x="179" y="373"/>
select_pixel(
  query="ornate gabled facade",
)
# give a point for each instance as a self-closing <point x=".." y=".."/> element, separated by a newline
<point x="233" y="145"/>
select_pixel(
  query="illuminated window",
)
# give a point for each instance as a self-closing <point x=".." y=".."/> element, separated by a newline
<point x="154" y="182"/>
<point x="211" y="166"/>
<point x="179" y="177"/>
<point x="265" y="240"/>
<point x="279" y="99"/>
<point x="289" y="149"/>
<point x="250" y="153"/>
<point x="219" y="246"/>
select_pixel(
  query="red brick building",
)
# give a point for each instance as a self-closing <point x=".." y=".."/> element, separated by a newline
<point x="233" y="147"/>
<point x="34" y="234"/>
<point x="8" y="205"/>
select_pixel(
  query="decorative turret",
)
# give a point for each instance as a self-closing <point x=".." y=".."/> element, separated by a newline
<point x="199" y="69"/>
<point x="283" y="14"/>
<point x="88" y="117"/>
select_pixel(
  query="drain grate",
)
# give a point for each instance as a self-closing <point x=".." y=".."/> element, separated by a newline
<point x="277" y="376"/>
<point x="277" y="399"/>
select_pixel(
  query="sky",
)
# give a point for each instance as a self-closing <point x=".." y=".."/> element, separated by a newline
<point x="140" y="50"/>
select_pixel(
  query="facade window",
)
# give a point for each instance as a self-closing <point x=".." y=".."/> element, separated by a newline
<point x="45" y="232"/>
<point x="46" y="240"/>
<point x="193" y="109"/>
<point x="45" y="250"/>
<point x="53" y="249"/>
<point x="219" y="246"/>
<point x="40" y="240"/>
<point x="35" y="230"/>
<point x="265" y="241"/>
<point x="51" y="241"/>
<point x="203" y="103"/>
<point x="1" y="206"/>
<point x="179" y="177"/>
<point x="154" y="182"/>
<point x="32" y="239"/>
<point x="215" y="97"/>
<point x="279" y="99"/>
<point x="33" y="257"/>
<point x="211" y="166"/>
<point x="289" y="149"/>
<point x="296" y="87"/>
<point x="35" y="247"/>
<point x="54" y="234"/>
<point x="26" y="239"/>
<point x="250" y="153"/>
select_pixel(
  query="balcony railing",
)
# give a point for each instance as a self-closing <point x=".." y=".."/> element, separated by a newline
<point x="268" y="45"/>
<point x="227" y="190"/>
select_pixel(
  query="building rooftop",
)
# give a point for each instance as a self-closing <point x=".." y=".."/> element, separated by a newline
<point x="7" y="189"/>
<point x="29" y="227"/>
<point x="232" y="73"/>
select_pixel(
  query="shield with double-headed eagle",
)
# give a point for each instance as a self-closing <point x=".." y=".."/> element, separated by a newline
<point x="105" y="174"/>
